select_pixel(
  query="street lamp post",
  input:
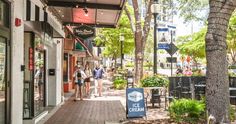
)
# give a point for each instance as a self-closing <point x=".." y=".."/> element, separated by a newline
<point x="155" y="9"/>
<point x="121" y="49"/>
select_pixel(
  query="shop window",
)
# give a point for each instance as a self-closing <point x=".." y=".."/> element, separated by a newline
<point x="65" y="67"/>
<point x="4" y="14"/>
<point x="2" y="80"/>
<point x="39" y="76"/>
<point x="34" y="76"/>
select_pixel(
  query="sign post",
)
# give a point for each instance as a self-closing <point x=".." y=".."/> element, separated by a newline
<point x="135" y="105"/>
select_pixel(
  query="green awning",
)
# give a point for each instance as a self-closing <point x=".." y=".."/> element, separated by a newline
<point x="79" y="47"/>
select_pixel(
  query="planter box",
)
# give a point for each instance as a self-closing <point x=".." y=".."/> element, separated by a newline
<point x="68" y="86"/>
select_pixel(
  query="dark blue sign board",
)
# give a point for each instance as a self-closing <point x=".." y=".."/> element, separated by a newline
<point x="135" y="106"/>
<point x="163" y="46"/>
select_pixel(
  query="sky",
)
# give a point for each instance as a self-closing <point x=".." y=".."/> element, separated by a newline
<point x="185" y="29"/>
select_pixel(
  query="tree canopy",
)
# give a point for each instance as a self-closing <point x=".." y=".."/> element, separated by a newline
<point x="193" y="10"/>
<point x="231" y="39"/>
<point x="110" y="38"/>
<point x="193" y="45"/>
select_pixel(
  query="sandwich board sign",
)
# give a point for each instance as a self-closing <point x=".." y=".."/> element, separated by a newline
<point x="135" y="105"/>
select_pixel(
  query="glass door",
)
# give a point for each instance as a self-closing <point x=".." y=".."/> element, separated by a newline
<point x="3" y="85"/>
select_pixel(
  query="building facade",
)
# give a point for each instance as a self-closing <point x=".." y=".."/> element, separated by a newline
<point x="31" y="44"/>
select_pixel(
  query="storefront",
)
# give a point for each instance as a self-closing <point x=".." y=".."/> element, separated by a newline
<point x="4" y="62"/>
<point x="34" y="75"/>
<point x="74" y="53"/>
<point x="42" y="52"/>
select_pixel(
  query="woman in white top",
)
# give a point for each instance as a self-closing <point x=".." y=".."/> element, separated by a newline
<point x="79" y="77"/>
<point x="87" y="81"/>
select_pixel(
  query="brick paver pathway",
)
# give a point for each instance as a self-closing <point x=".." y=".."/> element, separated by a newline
<point x="88" y="112"/>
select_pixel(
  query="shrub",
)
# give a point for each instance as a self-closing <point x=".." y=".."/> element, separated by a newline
<point x="232" y="113"/>
<point x="154" y="81"/>
<point x="119" y="83"/>
<point x="232" y="74"/>
<point x="129" y="64"/>
<point x="232" y="67"/>
<point x="187" y="110"/>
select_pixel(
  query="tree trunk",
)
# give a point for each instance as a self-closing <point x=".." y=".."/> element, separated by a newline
<point x="140" y="38"/>
<point x="138" y="43"/>
<point x="217" y="81"/>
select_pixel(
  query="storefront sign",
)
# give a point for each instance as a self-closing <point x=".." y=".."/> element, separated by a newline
<point x="79" y="53"/>
<point x="135" y="106"/>
<point x="84" y="31"/>
<point x="31" y="59"/>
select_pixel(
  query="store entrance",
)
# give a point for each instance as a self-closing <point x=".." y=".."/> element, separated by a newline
<point x="3" y="79"/>
<point x="4" y="62"/>
<point x="34" y="76"/>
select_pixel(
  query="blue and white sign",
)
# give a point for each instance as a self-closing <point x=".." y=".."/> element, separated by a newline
<point x="135" y="106"/>
<point x="163" y="46"/>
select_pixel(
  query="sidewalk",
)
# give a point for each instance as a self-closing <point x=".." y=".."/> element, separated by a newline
<point x="108" y="109"/>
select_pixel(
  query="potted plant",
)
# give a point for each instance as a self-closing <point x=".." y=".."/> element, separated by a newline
<point x="154" y="81"/>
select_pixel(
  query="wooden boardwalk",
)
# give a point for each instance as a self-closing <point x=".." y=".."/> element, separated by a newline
<point x="88" y="112"/>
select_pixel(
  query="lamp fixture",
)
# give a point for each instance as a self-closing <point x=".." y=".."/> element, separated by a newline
<point x="85" y="11"/>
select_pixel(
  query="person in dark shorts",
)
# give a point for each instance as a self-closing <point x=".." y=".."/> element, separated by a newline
<point x="79" y="77"/>
<point x="88" y="73"/>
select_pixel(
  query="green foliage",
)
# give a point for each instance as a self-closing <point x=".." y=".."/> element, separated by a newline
<point x="129" y="64"/>
<point x="232" y="113"/>
<point x="119" y="83"/>
<point x="155" y="81"/>
<point x="193" y="10"/>
<point x="232" y="67"/>
<point x="148" y="64"/>
<point x="193" y="45"/>
<point x="187" y="110"/>
<point x="231" y="38"/>
<point x="110" y="37"/>
<point x="232" y="74"/>
<point x="197" y="72"/>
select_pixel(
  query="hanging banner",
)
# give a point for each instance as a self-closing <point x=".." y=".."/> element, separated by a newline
<point x="31" y="59"/>
<point x="84" y="31"/>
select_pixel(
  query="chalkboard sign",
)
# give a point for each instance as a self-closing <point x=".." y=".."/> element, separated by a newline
<point x="135" y="106"/>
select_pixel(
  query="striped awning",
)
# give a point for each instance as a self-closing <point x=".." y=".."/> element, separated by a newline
<point x="35" y="13"/>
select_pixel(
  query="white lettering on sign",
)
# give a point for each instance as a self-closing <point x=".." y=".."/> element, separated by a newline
<point x="135" y="105"/>
<point x="83" y="32"/>
<point x="135" y="96"/>
<point x="136" y="109"/>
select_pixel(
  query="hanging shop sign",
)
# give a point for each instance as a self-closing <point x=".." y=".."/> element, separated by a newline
<point x="84" y="31"/>
<point x="135" y="106"/>
<point x="31" y="59"/>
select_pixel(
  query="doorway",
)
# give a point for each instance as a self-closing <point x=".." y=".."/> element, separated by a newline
<point x="34" y="76"/>
<point x="4" y="62"/>
<point x="3" y="81"/>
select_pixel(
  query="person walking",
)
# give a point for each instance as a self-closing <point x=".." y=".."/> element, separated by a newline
<point x="87" y="81"/>
<point x="76" y="81"/>
<point x="97" y="75"/>
<point x="79" y="75"/>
